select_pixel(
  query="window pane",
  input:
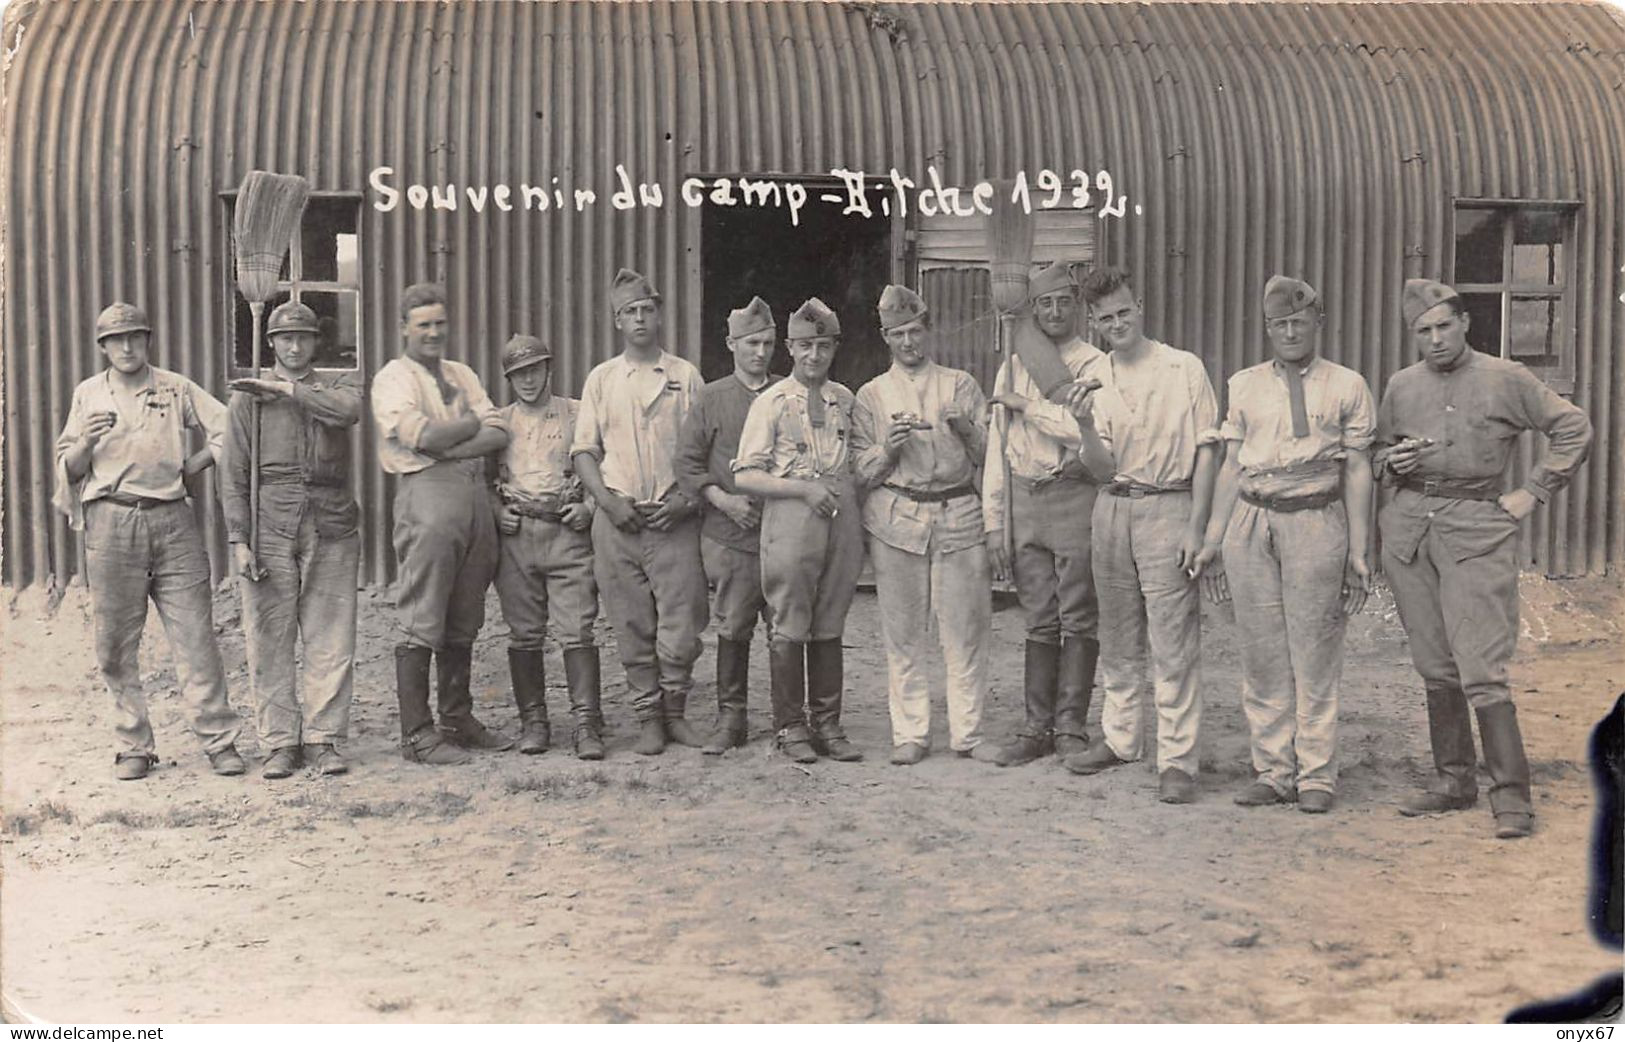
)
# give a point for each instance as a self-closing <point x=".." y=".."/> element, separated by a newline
<point x="326" y="223"/>
<point x="1537" y="246"/>
<point x="1478" y="245"/>
<point x="1485" y="331"/>
<point x="336" y="315"/>
<point x="1537" y="336"/>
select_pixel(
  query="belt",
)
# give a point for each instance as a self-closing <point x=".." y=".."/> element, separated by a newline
<point x="934" y="496"/>
<point x="125" y="499"/>
<point x="1450" y="489"/>
<point x="1292" y="504"/>
<point x="1136" y="490"/>
<point x="536" y="511"/>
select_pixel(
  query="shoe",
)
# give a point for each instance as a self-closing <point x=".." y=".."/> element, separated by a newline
<point x="1097" y="759"/>
<point x="1176" y="787"/>
<point x="729" y="733"/>
<point x="837" y="748"/>
<point x="535" y="738"/>
<point x="281" y="763"/>
<point x="909" y="753"/>
<point x="428" y="747"/>
<point x="1070" y="744"/>
<point x="733" y="681"/>
<point x="324" y="757"/>
<point x="228" y="762"/>
<point x="132" y="766"/>
<point x="587" y="744"/>
<point x="682" y="732"/>
<point x="471" y="734"/>
<point x="1024" y="749"/>
<point x="1259" y="794"/>
<point x="795" y="743"/>
<point x="1315" y="801"/>
<point x="1513" y="825"/>
<point x="651" y="738"/>
<point x="982" y="752"/>
<point x="1433" y="802"/>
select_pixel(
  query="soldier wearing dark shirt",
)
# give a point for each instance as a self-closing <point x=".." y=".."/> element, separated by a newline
<point x="1446" y="428"/>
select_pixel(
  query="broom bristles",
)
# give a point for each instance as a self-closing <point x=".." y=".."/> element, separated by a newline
<point x="1010" y="231"/>
<point x="267" y="216"/>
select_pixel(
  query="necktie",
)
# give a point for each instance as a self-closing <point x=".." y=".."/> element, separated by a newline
<point x="1300" y="412"/>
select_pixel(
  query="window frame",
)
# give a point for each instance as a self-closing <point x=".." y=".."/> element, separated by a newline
<point x="1561" y="376"/>
<point x="294" y="285"/>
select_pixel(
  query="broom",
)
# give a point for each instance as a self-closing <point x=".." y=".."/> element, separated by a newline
<point x="267" y="215"/>
<point x="1010" y="231"/>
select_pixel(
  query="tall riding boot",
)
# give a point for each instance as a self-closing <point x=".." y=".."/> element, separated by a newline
<point x="1038" y="678"/>
<point x="1074" y="690"/>
<point x="1451" y="732"/>
<point x="788" y="662"/>
<point x="826" y="676"/>
<point x="673" y="705"/>
<point x="1509" y="770"/>
<point x="581" y="675"/>
<point x="453" y="664"/>
<point x="420" y="742"/>
<point x="733" y="677"/>
<point x="526" y="666"/>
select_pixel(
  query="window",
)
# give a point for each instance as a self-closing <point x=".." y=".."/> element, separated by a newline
<point x="1512" y="267"/>
<point x="322" y="271"/>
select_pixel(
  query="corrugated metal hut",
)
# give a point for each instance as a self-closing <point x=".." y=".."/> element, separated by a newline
<point x="1354" y="145"/>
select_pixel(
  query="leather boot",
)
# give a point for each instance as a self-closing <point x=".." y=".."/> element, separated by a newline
<point x="420" y="742"/>
<point x="826" y="676"/>
<point x="733" y="673"/>
<point x="788" y="663"/>
<point x="651" y="737"/>
<point x="453" y="664"/>
<point x="526" y="668"/>
<point x="673" y="704"/>
<point x="1074" y="688"/>
<point x="581" y="676"/>
<point x="1451" y="734"/>
<point x="1509" y="770"/>
<point x="1039" y="678"/>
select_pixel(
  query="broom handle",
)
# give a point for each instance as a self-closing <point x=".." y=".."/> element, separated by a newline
<point x="257" y="307"/>
<point x="1004" y="422"/>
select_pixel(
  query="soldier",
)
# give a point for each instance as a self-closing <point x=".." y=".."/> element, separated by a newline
<point x="544" y="571"/>
<point x="122" y="463"/>
<point x="729" y="540"/>
<point x="1038" y="497"/>
<point x="1157" y="415"/>
<point x="301" y="585"/>
<point x="795" y="454"/>
<point x="435" y="427"/>
<point x="917" y="436"/>
<point x="1295" y="551"/>
<point x="646" y="534"/>
<point x="1446" y="428"/>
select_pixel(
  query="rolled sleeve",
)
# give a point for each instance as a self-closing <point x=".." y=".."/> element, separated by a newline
<point x="394" y="408"/>
<point x="209" y="417"/>
<point x="692" y="460"/>
<point x="870" y="462"/>
<point x="756" y="439"/>
<point x="479" y="403"/>
<point x="1204" y="404"/>
<point x="1359" y="417"/>
<point x="1234" y="427"/>
<point x="588" y="438"/>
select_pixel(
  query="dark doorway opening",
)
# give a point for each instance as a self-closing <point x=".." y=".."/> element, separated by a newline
<point x="845" y="261"/>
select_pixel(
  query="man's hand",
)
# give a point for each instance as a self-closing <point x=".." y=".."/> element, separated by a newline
<point x="1190" y="548"/>
<point x="997" y="559"/>
<point x="671" y="510"/>
<point x="622" y="513"/>
<point x="896" y="435"/>
<point x="741" y="510"/>
<point x="577" y="517"/>
<point x="507" y="520"/>
<point x="817" y="495"/>
<point x="1356" y="584"/>
<point x="264" y="390"/>
<point x="1406" y="456"/>
<point x="1011" y="400"/>
<point x="1078" y="397"/>
<point x="242" y="556"/>
<point x="1520" y="503"/>
<point x="96" y="426"/>
<point x="1209" y="571"/>
<point x="959" y="421"/>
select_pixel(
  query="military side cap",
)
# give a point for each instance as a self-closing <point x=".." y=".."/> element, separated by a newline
<point x="119" y="318"/>
<point x="523" y="350"/>
<point x="899" y="306"/>
<point x="1053" y="279"/>
<point x="629" y="286"/>
<point x="752" y="318"/>
<point x="1421" y="295"/>
<point x="292" y="317"/>
<point x="813" y="319"/>
<point x="1284" y="296"/>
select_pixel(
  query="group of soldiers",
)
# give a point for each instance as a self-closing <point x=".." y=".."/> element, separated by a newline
<point x="1112" y="503"/>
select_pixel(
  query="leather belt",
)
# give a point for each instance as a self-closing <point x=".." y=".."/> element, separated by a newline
<point x="1450" y="489"/>
<point x="1292" y="504"/>
<point x="542" y="508"/>
<point x="1136" y="490"/>
<point x="933" y="496"/>
<point x="125" y="499"/>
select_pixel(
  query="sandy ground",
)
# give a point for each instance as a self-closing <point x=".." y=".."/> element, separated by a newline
<point x="744" y="888"/>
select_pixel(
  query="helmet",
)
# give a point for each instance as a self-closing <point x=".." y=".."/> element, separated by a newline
<point x="522" y="351"/>
<point x="121" y="318"/>
<point x="292" y="317"/>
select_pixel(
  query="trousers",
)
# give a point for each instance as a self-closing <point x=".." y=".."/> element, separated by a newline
<point x="736" y="576"/>
<point x="810" y="566"/>
<point x="1053" y="559"/>
<point x="545" y="576"/>
<point x="445" y="553"/>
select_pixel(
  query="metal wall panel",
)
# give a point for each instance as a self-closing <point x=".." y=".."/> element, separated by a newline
<point x="1326" y="140"/>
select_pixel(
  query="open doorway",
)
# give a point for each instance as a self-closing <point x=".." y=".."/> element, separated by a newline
<point x="845" y="261"/>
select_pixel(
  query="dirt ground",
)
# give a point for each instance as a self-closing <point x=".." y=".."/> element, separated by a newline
<point x="744" y="888"/>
